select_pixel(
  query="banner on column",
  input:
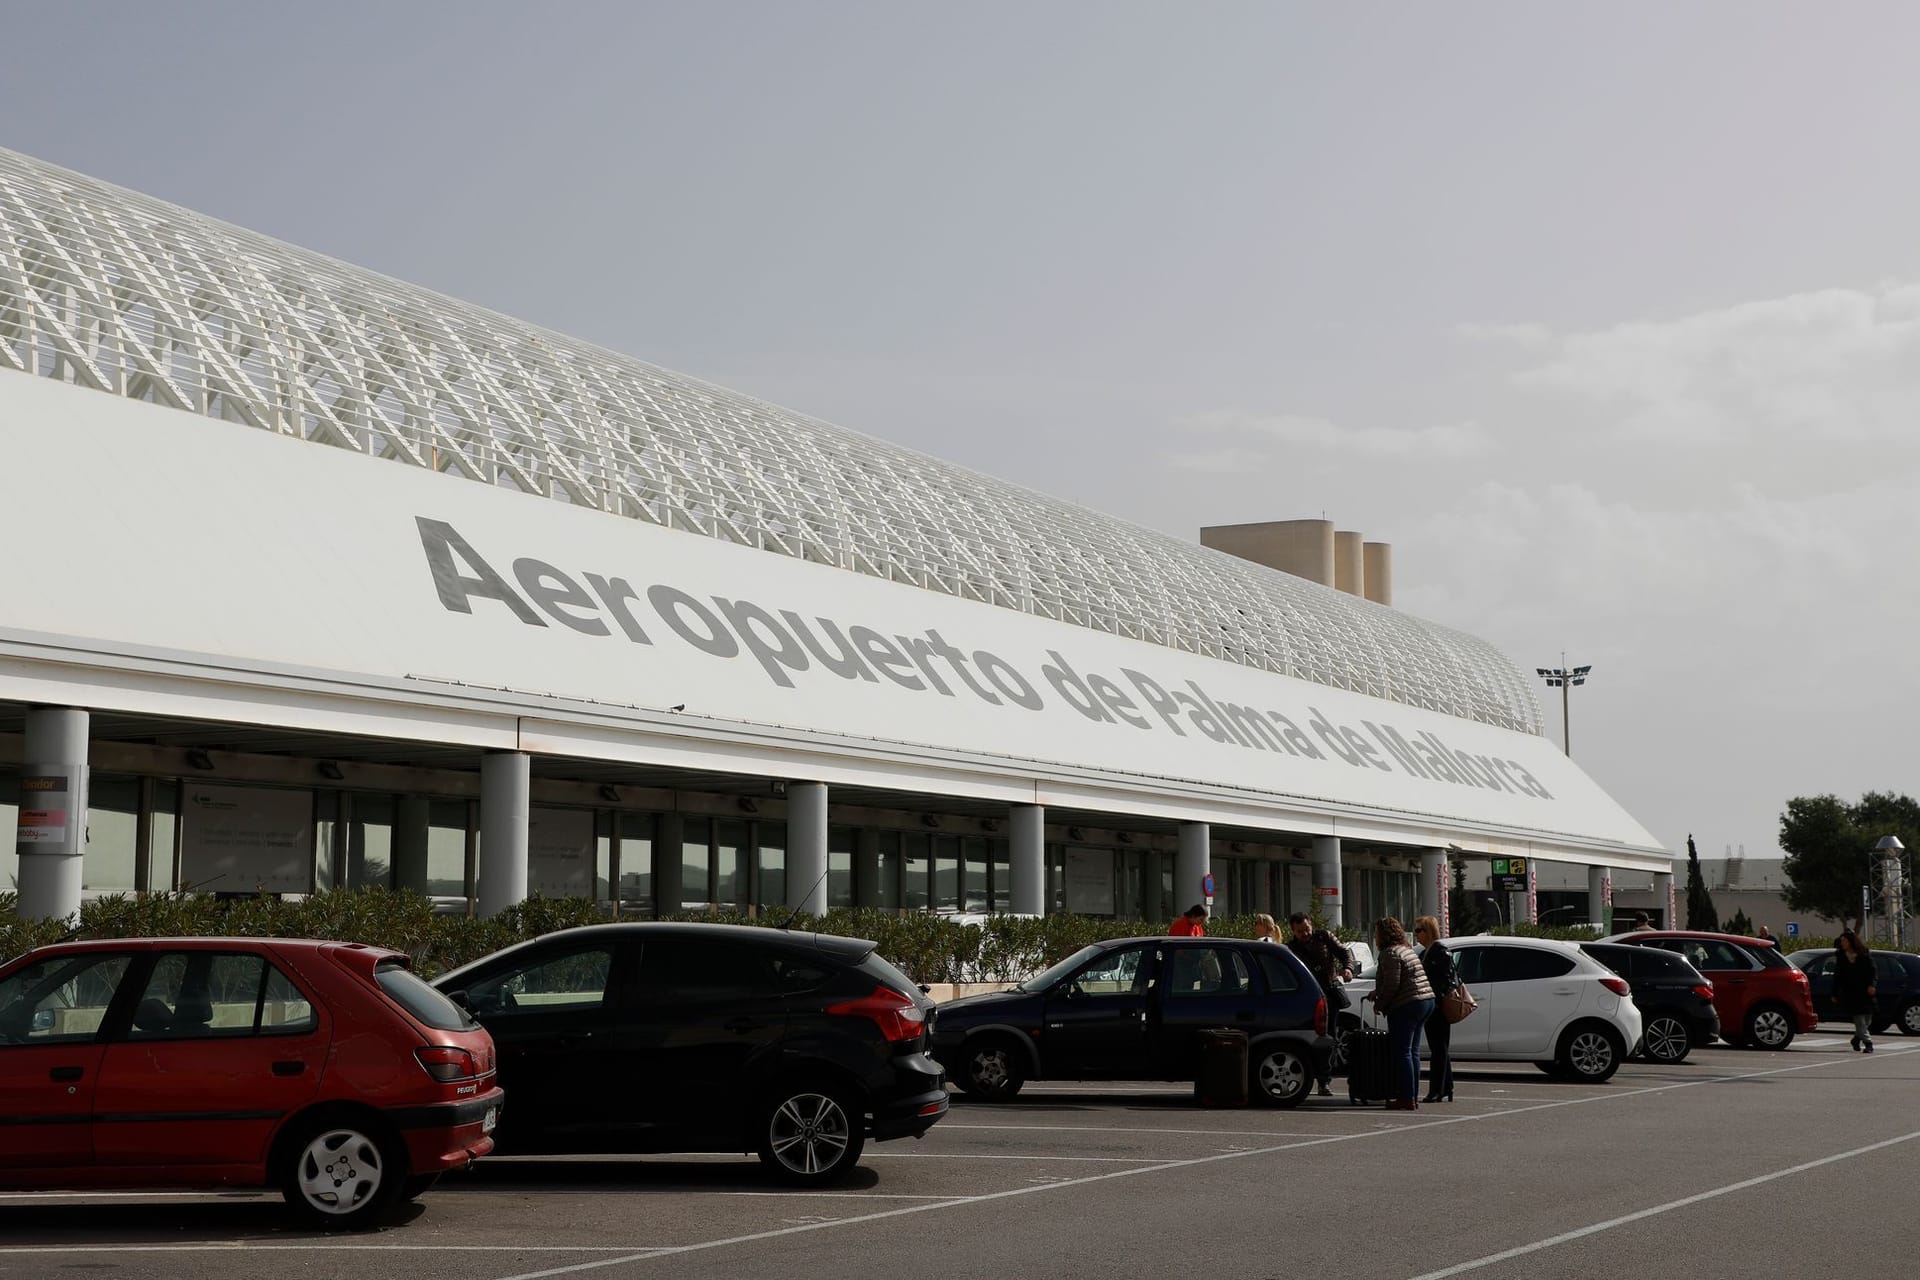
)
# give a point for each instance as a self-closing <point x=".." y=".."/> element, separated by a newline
<point x="245" y="839"/>
<point x="1606" y="900"/>
<point x="560" y="853"/>
<point x="1533" y="893"/>
<point x="1444" y="873"/>
<point x="1671" y="920"/>
<point x="49" y="821"/>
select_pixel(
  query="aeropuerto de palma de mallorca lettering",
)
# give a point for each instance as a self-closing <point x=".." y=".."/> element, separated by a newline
<point x="319" y="579"/>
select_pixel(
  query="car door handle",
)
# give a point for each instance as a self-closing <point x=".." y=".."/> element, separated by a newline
<point x="289" y="1068"/>
<point x="66" y="1073"/>
<point x="743" y="1024"/>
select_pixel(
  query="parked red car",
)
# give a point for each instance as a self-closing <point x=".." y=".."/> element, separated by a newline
<point x="1761" y="999"/>
<point x="326" y="1069"/>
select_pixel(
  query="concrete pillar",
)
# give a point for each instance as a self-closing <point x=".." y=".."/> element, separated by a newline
<point x="669" y="839"/>
<point x="866" y="867"/>
<point x="807" y="847"/>
<point x="52" y="837"/>
<point x="1152" y="905"/>
<point x="1190" y="864"/>
<point x="505" y="802"/>
<point x="410" y="825"/>
<point x="1433" y="886"/>
<point x="1349" y="562"/>
<point x="1600" y="898"/>
<point x="1326" y="875"/>
<point x="1027" y="859"/>
<point x="1663" y="900"/>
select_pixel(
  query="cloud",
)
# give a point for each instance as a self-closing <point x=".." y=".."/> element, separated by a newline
<point x="1531" y="336"/>
<point x="1297" y="432"/>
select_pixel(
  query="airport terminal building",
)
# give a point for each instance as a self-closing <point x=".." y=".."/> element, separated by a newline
<point x="317" y="579"/>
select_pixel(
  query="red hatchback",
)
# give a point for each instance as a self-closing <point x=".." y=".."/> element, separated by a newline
<point x="327" y="1069"/>
<point x="1761" y="999"/>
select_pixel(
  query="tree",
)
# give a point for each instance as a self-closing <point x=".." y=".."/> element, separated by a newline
<point x="1701" y="913"/>
<point x="1465" y="918"/>
<point x="1828" y="845"/>
<point x="1740" y="924"/>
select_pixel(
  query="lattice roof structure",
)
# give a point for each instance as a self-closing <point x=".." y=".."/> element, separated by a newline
<point x="113" y="290"/>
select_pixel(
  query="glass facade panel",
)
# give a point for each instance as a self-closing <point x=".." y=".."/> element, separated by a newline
<point x="840" y="843"/>
<point x="772" y="838"/>
<point x="887" y="892"/>
<point x="946" y="873"/>
<point x="975" y="850"/>
<point x="729" y="866"/>
<point x="113" y="817"/>
<point x="370" y="841"/>
<point x="447" y="849"/>
<point x="1002" y="876"/>
<point x="696" y="863"/>
<point x="9" y="828"/>
<point x="914" y="846"/>
<point x="636" y="863"/>
<point x="164" y="870"/>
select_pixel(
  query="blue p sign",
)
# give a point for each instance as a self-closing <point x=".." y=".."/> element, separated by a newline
<point x="1793" y="928"/>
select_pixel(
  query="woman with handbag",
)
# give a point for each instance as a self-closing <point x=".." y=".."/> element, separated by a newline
<point x="1401" y="992"/>
<point x="1438" y="963"/>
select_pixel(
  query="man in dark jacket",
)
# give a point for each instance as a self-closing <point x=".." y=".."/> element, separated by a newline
<point x="1328" y="962"/>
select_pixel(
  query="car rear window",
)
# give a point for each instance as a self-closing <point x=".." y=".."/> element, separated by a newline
<point x="881" y="968"/>
<point x="1654" y="963"/>
<point x="404" y="988"/>
<point x="1281" y="976"/>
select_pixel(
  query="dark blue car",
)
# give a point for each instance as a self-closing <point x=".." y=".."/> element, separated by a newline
<point x="1135" y="1009"/>
<point x="1896" y="987"/>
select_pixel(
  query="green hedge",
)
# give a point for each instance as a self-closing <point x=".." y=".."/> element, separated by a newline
<point x="927" y="948"/>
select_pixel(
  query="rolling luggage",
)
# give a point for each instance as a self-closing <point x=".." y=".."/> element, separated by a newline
<point x="1367" y="1074"/>
<point x="1222" y="1080"/>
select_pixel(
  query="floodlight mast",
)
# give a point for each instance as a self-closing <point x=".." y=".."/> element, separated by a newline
<point x="1563" y="678"/>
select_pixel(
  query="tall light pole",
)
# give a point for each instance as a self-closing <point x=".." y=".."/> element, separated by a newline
<point x="1563" y="678"/>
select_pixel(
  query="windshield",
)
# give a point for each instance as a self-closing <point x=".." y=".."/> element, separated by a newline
<point x="1041" y="981"/>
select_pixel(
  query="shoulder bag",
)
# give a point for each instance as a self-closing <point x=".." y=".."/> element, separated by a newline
<point x="1458" y="1003"/>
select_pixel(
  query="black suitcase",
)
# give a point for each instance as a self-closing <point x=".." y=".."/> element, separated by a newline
<point x="1222" y="1079"/>
<point x="1367" y="1074"/>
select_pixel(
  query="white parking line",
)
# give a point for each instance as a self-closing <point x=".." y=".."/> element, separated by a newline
<point x="235" y="1246"/>
<point x="945" y="1155"/>
<point x="1656" y="1210"/>
<point x="959" y="1202"/>
<point x="1127" y="1128"/>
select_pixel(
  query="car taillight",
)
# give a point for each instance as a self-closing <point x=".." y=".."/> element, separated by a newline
<point x="1618" y="986"/>
<point x="1800" y="977"/>
<point x="1704" y="990"/>
<point x="900" y="1020"/>
<point x="1320" y="1016"/>
<point x="447" y="1064"/>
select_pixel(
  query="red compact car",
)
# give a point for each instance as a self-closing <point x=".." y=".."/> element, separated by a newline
<point x="1761" y="999"/>
<point x="327" y="1069"/>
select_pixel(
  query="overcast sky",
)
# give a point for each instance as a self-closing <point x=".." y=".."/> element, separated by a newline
<point x="1608" y="320"/>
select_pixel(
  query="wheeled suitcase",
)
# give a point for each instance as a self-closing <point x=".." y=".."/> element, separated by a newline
<point x="1367" y="1075"/>
<point x="1222" y="1078"/>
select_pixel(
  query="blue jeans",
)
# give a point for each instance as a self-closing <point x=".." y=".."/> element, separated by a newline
<point x="1403" y="1053"/>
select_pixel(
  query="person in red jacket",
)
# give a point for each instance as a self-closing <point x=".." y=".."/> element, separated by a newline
<point x="1192" y="923"/>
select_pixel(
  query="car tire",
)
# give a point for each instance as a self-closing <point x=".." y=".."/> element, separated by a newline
<point x="1665" y="1040"/>
<point x="343" y="1173"/>
<point x="1769" y="1026"/>
<point x="812" y="1134"/>
<point x="1590" y="1052"/>
<point x="1910" y="1019"/>
<point x="1279" y="1076"/>
<point x="991" y="1069"/>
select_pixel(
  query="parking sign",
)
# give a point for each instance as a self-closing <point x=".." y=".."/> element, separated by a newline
<point x="1793" y="928"/>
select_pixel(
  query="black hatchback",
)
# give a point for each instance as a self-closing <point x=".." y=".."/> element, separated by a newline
<point x="1674" y="998"/>
<point x="695" y="1037"/>
<point x="1136" y="1009"/>
<point x="1896" y="982"/>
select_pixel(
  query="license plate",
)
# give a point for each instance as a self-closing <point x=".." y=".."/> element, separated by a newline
<point x="489" y="1120"/>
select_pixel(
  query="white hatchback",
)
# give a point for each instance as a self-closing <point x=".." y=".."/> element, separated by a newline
<point x="1540" y="1001"/>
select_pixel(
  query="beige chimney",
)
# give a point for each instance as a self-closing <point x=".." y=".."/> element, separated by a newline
<point x="1303" y="548"/>
<point x="1349" y="563"/>
<point x="1379" y="572"/>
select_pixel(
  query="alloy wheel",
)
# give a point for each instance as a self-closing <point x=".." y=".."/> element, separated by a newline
<point x="1281" y="1077"/>
<point x="809" y="1134"/>
<point x="339" y="1172"/>
<point x="1666" y="1040"/>
<point x="1590" y="1055"/>
<point x="1769" y="1029"/>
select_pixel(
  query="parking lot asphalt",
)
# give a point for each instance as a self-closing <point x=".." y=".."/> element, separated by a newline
<point x="1733" y="1163"/>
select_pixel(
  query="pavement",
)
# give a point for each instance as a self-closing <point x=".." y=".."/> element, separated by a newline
<point x="1733" y="1163"/>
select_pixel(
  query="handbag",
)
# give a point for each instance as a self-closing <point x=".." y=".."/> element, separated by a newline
<point x="1458" y="1003"/>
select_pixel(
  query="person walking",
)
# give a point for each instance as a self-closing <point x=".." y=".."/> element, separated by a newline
<point x="1438" y="964"/>
<point x="1401" y="992"/>
<point x="1330" y="966"/>
<point x="1853" y="987"/>
<point x="1191" y="923"/>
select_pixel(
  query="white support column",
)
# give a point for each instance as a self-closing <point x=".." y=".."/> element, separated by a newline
<point x="1433" y="886"/>
<point x="505" y="802"/>
<point x="1663" y="900"/>
<point x="51" y="842"/>
<point x="410" y="826"/>
<point x="866" y="867"/>
<point x="1600" y="898"/>
<point x="1190" y="864"/>
<point x="1326" y="875"/>
<point x="1027" y="859"/>
<point x="807" y="847"/>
